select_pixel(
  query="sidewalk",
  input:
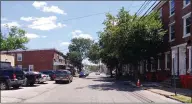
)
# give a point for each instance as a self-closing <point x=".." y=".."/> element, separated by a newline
<point x="167" y="92"/>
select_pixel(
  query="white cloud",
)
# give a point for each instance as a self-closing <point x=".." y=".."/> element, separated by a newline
<point x="45" y="8"/>
<point x="27" y="19"/>
<point x="39" y="4"/>
<point x="33" y="36"/>
<point x="43" y="23"/>
<point x="10" y="24"/>
<point x="54" y="9"/>
<point x="65" y="43"/>
<point x="80" y="34"/>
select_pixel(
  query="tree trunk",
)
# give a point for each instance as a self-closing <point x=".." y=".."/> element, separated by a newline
<point x="111" y="72"/>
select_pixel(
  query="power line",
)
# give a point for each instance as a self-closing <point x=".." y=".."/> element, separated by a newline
<point x="144" y="7"/>
<point x="148" y="10"/>
<point x="139" y="10"/>
<point x="140" y="7"/>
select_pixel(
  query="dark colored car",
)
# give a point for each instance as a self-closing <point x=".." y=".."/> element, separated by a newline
<point x="51" y="73"/>
<point x="30" y="78"/>
<point x="82" y="74"/>
<point x="11" y="77"/>
<point x="63" y="76"/>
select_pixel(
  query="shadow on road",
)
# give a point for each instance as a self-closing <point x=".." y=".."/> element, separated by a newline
<point x="11" y="89"/>
<point x="43" y="83"/>
<point x="114" y="86"/>
<point x="91" y="78"/>
<point x="36" y="85"/>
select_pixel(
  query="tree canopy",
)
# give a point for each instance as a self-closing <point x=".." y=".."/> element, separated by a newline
<point x="129" y="39"/>
<point x="78" y="50"/>
<point x="14" y="39"/>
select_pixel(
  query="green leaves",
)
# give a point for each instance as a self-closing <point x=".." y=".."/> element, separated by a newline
<point x="78" y="50"/>
<point x="94" y="53"/>
<point x="130" y="41"/>
<point x="15" y="39"/>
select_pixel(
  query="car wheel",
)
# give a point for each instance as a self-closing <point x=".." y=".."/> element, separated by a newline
<point x="25" y="83"/>
<point x="69" y="81"/>
<point x="31" y="84"/>
<point x="4" y="86"/>
<point x="16" y="86"/>
<point x="56" y="82"/>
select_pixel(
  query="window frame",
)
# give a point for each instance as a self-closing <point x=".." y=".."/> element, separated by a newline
<point x="19" y="54"/>
<point x="188" y="15"/>
<point x="185" y="5"/>
<point x="32" y="68"/>
<point x="166" y="59"/>
<point x="171" y="24"/>
<point x="170" y="7"/>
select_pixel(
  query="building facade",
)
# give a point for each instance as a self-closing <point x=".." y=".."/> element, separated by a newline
<point x="175" y="57"/>
<point x="4" y="59"/>
<point x="37" y="60"/>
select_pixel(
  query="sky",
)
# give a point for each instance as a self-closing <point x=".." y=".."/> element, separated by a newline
<point x="52" y="24"/>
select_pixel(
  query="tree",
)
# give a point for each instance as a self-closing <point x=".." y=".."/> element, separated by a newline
<point x="93" y="53"/>
<point x="14" y="39"/>
<point x="128" y="42"/>
<point x="78" y="50"/>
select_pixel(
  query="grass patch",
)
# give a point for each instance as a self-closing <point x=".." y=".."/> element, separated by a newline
<point x="182" y="98"/>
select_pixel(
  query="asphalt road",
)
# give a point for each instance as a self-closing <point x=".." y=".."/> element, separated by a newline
<point x="93" y="89"/>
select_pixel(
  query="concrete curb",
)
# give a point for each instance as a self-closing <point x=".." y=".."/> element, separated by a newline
<point x="144" y="88"/>
<point x="166" y="96"/>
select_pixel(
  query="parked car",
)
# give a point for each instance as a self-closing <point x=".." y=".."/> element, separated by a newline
<point x="51" y="73"/>
<point x="44" y="78"/>
<point x="83" y="74"/>
<point x="37" y="76"/>
<point x="11" y="77"/>
<point x="63" y="76"/>
<point x="30" y="78"/>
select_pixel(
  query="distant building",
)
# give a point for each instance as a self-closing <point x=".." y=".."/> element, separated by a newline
<point x="7" y="60"/>
<point x="37" y="60"/>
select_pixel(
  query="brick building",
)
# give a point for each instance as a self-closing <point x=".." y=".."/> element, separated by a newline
<point x="37" y="60"/>
<point x="175" y="57"/>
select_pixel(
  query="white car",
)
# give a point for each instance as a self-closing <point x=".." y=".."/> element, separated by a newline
<point x="44" y="78"/>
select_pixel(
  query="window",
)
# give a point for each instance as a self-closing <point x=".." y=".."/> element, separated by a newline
<point x="186" y="3"/>
<point x="167" y="60"/>
<point x="19" y="57"/>
<point x="187" y="25"/>
<point x="172" y="32"/>
<point x="31" y="67"/>
<point x="172" y="7"/>
<point x="19" y="66"/>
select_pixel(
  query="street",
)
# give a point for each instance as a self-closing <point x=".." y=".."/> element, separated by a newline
<point x="93" y="89"/>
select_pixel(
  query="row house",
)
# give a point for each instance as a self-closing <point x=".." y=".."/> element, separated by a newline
<point x="37" y="60"/>
<point x="175" y="57"/>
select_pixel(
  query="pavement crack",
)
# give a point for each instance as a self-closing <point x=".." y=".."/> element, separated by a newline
<point x="39" y="94"/>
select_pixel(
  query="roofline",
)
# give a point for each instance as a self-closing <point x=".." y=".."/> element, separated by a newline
<point x="30" y="50"/>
